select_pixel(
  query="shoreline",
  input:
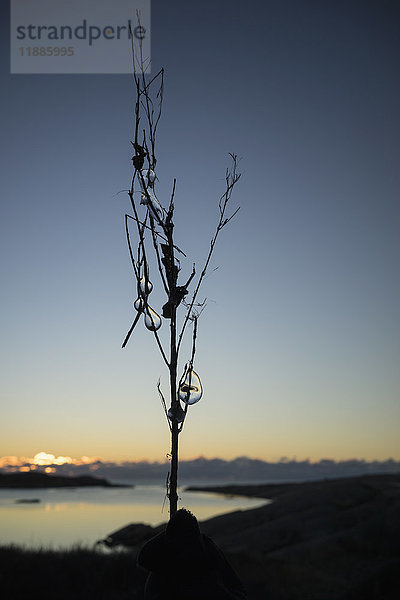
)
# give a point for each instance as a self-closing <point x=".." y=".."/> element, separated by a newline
<point x="275" y="490"/>
<point x="36" y="480"/>
<point x="333" y="539"/>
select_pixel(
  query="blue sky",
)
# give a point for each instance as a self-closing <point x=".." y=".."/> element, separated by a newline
<point x="298" y="348"/>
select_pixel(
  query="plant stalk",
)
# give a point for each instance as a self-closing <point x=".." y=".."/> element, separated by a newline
<point x="173" y="484"/>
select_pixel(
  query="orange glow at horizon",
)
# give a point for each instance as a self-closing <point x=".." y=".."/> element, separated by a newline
<point x="45" y="459"/>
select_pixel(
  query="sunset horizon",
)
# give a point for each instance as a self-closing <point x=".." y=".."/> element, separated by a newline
<point x="298" y="340"/>
<point x="200" y="332"/>
<point x="49" y="460"/>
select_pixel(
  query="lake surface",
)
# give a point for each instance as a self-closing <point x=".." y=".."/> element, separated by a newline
<point x="69" y="516"/>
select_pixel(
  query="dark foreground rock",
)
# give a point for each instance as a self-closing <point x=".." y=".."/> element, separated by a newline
<point x="326" y="540"/>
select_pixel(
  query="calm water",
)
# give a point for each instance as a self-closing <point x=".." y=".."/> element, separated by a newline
<point x="65" y="517"/>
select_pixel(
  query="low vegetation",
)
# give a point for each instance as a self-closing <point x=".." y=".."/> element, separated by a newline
<point x="79" y="573"/>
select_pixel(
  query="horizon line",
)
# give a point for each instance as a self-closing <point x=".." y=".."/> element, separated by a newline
<point x="44" y="459"/>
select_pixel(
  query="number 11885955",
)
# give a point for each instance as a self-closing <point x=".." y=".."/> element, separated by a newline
<point x="46" y="50"/>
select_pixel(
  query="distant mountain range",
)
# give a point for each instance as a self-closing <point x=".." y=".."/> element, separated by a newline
<point x="239" y="470"/>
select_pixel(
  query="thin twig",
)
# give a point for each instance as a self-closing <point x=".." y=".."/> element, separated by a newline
<point x="157" y="233"/>
<point x="194" y="336"/>
<point x="137" y="274"/>
<point x="161" y="348"/>
<point x="231" y="179"/>
<point x="163" y="404"/>
<point x="128" y="335"/>
<point x="130" y="247"/>
<point x="157" y="252"/>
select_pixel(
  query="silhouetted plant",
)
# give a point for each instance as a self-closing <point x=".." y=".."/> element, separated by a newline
<point x="155" y="233"/>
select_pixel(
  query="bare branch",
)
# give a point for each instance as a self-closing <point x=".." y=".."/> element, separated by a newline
<point x="130" y="246"/>
<point x="157" y="252"/>
<point x="194" y="336"/>
<point x="128" y="335"/>
<point x="156" y="233"/>
<point x="163" y="403"/>
<point x="161" y="348"/>
<point x="231" y="179"/>
<point x="141" y="259"/>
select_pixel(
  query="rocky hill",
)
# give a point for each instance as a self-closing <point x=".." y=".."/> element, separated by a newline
<point x="325" y="540"/>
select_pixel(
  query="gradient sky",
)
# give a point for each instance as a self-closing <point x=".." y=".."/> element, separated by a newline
<point x="298" y="348"/>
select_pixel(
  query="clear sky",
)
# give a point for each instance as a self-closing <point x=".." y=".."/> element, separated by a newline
<point x="298" y="348"/>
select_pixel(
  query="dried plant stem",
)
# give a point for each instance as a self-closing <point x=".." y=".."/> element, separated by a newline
<point x="158" y="221"/>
